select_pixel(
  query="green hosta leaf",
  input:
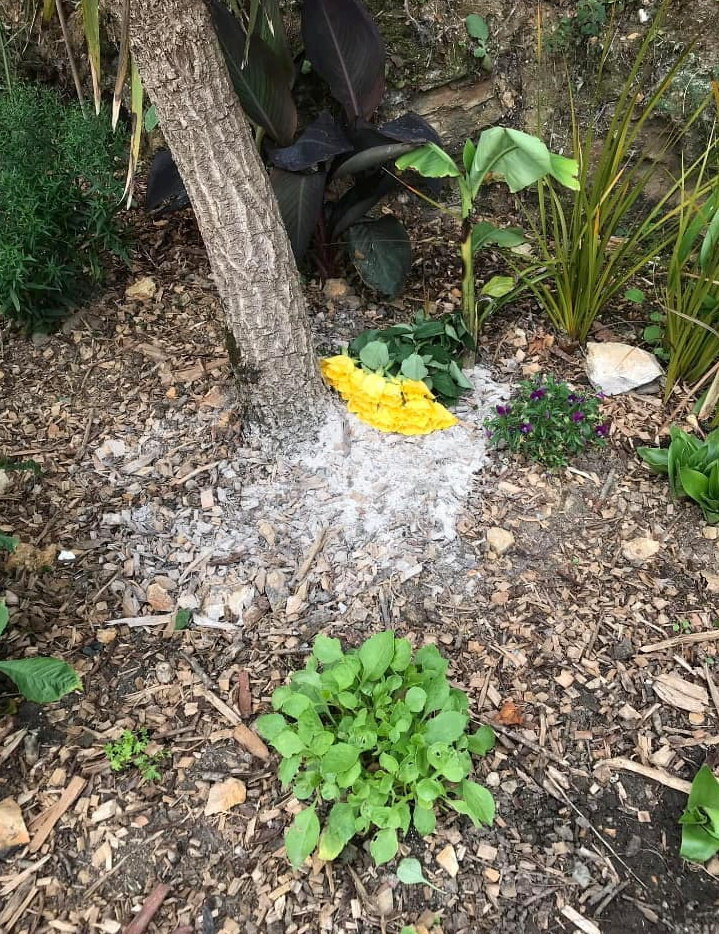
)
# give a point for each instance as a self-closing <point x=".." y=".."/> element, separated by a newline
<point x="376" y="655"/>
<point x="327" y="650"/>
<point x="695" y="484"/>
<point x="339" y="758"/>
<point x="375" y="355"/>
<point x="384" y="846"/>
<point x="424" y="820"/>
<point x="498" y="286"/>
<point x="482" y="741"/>
<point x="657" y="458"/>
<point x="413" y="367"/>
<point x="430" y="161"/>
<point x="337" y="832"/>
<point x="42" y="680"/>
<point x="301" y="837"/>
<point x="700" y="820"/>
<point x="4" y="617"/>
<point x="270" y="725"/>
<point x="698" y="845"/>
<point x="288" y="743"/>
<point x="446" y="727"/>
<point x="415" y="699"/>
<point x="477" y="26"/>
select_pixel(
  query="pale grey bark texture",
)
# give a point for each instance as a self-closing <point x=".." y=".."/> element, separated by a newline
<point x="183" y="71"/>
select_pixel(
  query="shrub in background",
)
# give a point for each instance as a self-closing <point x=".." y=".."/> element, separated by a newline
<point x="59" y="198"/>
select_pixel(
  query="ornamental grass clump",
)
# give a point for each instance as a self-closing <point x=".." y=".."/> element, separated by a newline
<point x="374" y="739"/>
<point x="405" y="406"/>
<point x="548" y="422"/>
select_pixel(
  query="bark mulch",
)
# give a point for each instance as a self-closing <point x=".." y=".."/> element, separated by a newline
<point x="599" y="673"/>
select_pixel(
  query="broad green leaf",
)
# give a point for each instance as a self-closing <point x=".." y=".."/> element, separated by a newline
<point x="288" y="743"/>
<point x="428" y="790"/>
<point x="498" y="286"/>
<point x="388" y="763"/>
<point x="446" y="727"/>
<point x="7" y="542"/>
<point x="657" y="458"/>
<point x="414" y="368"/>
<point x="482" y="741"/>
<point x="4" y="617"/>
<point x="402" y="654"/>
<point x="468" y="154"/>
<point x="704" y="792"/>
<point x="344" y="674"/>
<point x="339" y="758"/>
<point x="337" y="832"/>
<point x="653" y="333"/>
<point x="424" y="820"/>
<point x="151" y="119"/>
<point x="288" y="768"/>
<point x="376" y="655"/>
<point x="375" y="355"/>
<point x="301" y="836"/>
<point x="348" y="700"/>
<point x="520" y="158"/>
<point x="565" y="171"/>
<point x="477" y="26"/>
<point x="348" y="778"/>
<point x="270" y="725"/>
<point x="327" y="650"/>
<point x="296" y="705"/>
<point x="384" y="846"/>
<point x="485" y="234"/>
<point x="695" y="484"/>
<point x="306" y="785"/>
<point x="429" y="658"/>
<point x="480" y="803"/>
<point x="635" y="295"/>
<point x="42" y="680"/>
<point x="410" y="872"/>
<point x="321" y="742"/>
<point x="458" y="376"/>
<point x="698" y="845"/>
<point x="430" y="161"/>
<point x="415" y="699"/>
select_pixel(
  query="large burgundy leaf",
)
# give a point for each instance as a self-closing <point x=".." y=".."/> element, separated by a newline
<point x="321" y="141"/>
<point x="300" y="198"/>
<point x="371" y="158"/>
<point x="410" y="128"/>
<point x="165" y="188"/>
<point x="382" y="254"/>
<point x="355" y="202"/>
<point x="345" y="48"/>
<point x="262" y="85"/>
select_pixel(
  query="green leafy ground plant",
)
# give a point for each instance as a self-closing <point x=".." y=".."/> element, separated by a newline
<point x="429" y="349"/>
<point x="520" y="160"/>
<point x="129" y="751"/>
<point x="39" y="679"/>
<point x="378" y="736"/>
<point x="692" y="467"/>
<point x="548" y="422"/>
<point x="700" y="820"/>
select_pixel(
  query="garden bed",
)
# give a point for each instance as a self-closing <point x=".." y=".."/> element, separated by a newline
<point x="130" y="413"/>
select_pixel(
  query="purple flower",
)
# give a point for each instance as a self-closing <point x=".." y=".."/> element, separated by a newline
<point x="602" y="430"/>
<point x="600" y="396"/>
<point x="526" y="428"/>
<point x="573" y="397"/>
<point x="578" y="416"/>
<point x="504" y="409"/>
<point x="488" y="433"/>
<point x="538" y="394"/>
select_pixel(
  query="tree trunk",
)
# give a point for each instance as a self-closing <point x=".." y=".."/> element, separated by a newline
<point x="182" y="68"/>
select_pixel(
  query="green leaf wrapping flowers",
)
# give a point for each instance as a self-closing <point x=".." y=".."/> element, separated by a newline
<point x="379" y="734"/>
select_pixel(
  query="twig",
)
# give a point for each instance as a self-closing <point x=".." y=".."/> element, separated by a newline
<point x="227" y="712"/>
<point x="85" y="438"/>
<point x="567" y="800"/>
<point x="655" y="775"/>
<point x="25" y="874"/>
<point x="713" y="689"/>
<point x="47" y="820"/>
<point x="158" y="620"/>
<point x="579" y="921"/>
<point x="178" y="481"/>
<point x="149" y="909"/>
<point x="199" y="670"/>
<point x="70" y="55"/>
<point x="315" y="549"/>
<point x="12" y="745"/>
<point x="689" y="639"/>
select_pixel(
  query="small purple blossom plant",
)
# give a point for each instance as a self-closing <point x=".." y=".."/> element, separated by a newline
<point x="548" y="422"/>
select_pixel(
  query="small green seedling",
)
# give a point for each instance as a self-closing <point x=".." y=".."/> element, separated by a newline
<point x="378" y="736"/>
<point x="700" y="820"/>
<point x="683" y="625"/>
<point x="478" y="31"/>
<point x="129" y="751"/>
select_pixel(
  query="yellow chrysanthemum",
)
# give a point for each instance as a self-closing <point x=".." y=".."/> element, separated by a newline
<point x="389" y="404"/>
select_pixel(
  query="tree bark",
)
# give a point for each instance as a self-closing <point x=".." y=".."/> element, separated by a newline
<point x="182" y="68"/>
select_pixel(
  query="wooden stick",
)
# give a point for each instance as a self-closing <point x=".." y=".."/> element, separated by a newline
<point x="690" y="639"/>
<point x="149" y="909"/>
<point x="655" y="775"/>
<point x="579" y="921"/>
<point x="47" y="820"/>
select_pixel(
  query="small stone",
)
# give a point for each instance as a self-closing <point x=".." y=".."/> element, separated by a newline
<point x="447" y="859"/>
<point x="384" y="901"/>
<point x="499" y="540"/>
<point x="276" y="589"/>
<point x="5" y="482"/>
<point x="623" y="650"/>
<point x="164" y="673"/>
<point x="159" y="599"/>
<point x="336" y="288"/>
<point x="142" y="290"/>
<point x="581" y="874"/>
<point x="615" y="368"/>
<point x="710" y="532"/>
<point x="640" y="550"/>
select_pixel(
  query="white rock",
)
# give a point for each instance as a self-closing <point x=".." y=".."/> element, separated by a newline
<point x="5" y="482"/>
<point x="640" y="550"/>
<point x="499" y="540"/>
<point x="614" y="368"/>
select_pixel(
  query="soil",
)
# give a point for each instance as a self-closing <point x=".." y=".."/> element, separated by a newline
<point x="546" y="639"/>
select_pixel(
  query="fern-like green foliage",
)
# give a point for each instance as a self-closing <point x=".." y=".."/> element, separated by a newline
<point x="59" y="202"/>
